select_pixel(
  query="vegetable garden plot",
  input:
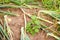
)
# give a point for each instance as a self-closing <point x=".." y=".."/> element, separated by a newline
<point x="26" y="20"/>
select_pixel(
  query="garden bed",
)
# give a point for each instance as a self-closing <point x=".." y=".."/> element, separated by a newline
<point x="29" y="20"/>
<point x="17" y="22"/>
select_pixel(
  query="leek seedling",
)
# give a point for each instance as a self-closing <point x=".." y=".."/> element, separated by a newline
<point x="17" y="2"/>
<point x="10" y="33"/>
<point x="9" y="6"/>
<point x="30" y="6"/>
<point x="4" y="33"/>
<point x="15" y="6"/>
<point x="21" y="2"/>
<point x="7" y="13"/>
<point x="51" y="34"/>
<point x="51" y="13"/>
<point x="23" y="36"/>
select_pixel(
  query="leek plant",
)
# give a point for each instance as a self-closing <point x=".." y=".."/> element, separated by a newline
<point x="10" y="33"/>
<point x="5" y="31"/>
<point x="53" y="14"/>
<point x="18" y="4"/>
<point x="23" y="35"/>
<point x="7" y="13"/>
